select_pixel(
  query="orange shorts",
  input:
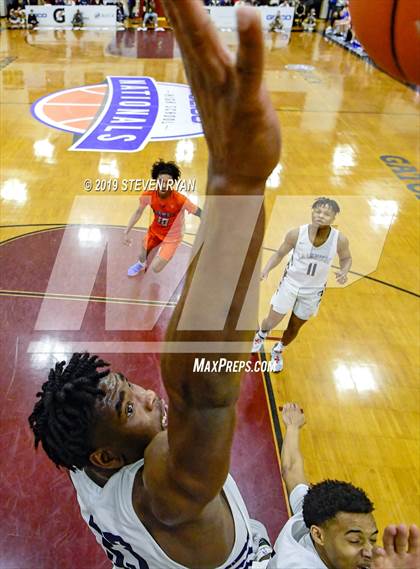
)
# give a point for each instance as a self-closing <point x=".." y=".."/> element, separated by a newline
<point x="167" y="248"/>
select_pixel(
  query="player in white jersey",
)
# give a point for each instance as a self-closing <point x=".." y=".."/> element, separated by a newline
<point x="314" y="248"/>
<point x="153" y="485"/>
<point x="332" y="525"/>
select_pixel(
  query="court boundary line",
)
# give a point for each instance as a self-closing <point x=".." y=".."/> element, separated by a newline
<point x="275" y="424"/>
<point x="83" y="298"/>
<point x="366" y="277"/>
<point x="271" y="400"/>
<point x="53" y="226"/>
<point x="7" y="61"/>
<point x="77" y="297"/>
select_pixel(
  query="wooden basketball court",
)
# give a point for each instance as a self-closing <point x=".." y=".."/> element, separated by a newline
<point x="349" y="132"/>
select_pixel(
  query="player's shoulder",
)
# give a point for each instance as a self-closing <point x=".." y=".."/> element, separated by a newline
<point x="293" y="234"/>
<point x="147" y="194"/>
<point x="178" y="197"/>
<point x="342" y="239"/>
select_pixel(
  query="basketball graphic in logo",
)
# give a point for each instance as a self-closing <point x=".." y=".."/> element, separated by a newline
<point x="121" y="115"/>
<point x="73" y="110"/>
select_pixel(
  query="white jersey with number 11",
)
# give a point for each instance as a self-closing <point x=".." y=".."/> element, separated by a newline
<point x="309" y="265"/>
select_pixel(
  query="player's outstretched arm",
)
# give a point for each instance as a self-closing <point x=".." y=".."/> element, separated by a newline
<point x="288" y="244"/>
<point x="188" y="470"/>
<point x="344" y="256"/>
<point x="292" y="468"/>
<point x="401" y="548"/>
<point x="131" y="223"/>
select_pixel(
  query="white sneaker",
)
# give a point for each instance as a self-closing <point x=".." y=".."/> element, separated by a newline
<point x="257" y="344"/>
<point x="135" y="269"/>
<point x="276" y="361"/>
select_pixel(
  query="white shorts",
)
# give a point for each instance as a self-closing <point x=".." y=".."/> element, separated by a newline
<point x="304" y="302"/>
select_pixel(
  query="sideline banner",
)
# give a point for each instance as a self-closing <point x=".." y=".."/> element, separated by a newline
<point x="225" y="17"/>
<point x="62" y="16"/>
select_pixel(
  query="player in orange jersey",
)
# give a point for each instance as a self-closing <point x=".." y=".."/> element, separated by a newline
<point x="166" y="230"/>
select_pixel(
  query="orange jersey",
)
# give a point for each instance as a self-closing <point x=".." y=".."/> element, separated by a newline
<point x="169" y="212"/>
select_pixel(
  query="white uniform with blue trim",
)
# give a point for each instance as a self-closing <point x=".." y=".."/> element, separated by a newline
<point x="110" y="514"/>
<point x="294" y="548"/>
<point x="306" y="275"/>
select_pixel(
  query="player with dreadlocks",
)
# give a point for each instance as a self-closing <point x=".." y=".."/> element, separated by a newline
<point x="153" y="486"/>
<point x="314" y="247"/>
<point x="63" y="416"/>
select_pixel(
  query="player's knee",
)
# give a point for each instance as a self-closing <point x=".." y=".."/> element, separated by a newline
<point x="158" y="265"/>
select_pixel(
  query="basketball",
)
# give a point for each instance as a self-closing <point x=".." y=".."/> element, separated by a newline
<point x="389" y="31"/>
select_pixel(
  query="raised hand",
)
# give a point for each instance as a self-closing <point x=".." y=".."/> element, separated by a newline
<point x="401" y="549"/>
<point x="239" y="120"/>
<point x="293" y="415"/>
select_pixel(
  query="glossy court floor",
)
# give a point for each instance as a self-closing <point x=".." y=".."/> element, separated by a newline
<point x="354" y="368"/>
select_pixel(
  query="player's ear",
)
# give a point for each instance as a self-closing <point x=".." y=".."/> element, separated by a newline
<point x="105" y="458"/>
<point x="317" y="535"/>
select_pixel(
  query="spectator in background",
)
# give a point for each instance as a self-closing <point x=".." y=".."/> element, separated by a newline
<point x="343" y="22"/>
<point x="277" y="24"/>
<point x="309" y="23"/>
<point x="77" y="21"/>
<point x="299" y="15"/>
<point x="150" y="19"/>
<point x="14" y="19"/>
<point x="32" y="20"/>
<point x="332" y="6"/>
<point x="131" y="4"/>
<point x="120" y="13"/>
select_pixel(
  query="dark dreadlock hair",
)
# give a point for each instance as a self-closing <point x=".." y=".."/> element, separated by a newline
<point x="332" y="204"/>
<point x="63" y="417"/>
<point x="324" y="500"/>
<point x="161" y="167"/>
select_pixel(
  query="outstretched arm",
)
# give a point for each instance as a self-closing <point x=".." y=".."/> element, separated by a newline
<point x="292" y="468"/>
<point x="345" y="259"/>
<point x="132" y="222"/>
<point x="288" y="244"/>
<point x="191" y="468"/>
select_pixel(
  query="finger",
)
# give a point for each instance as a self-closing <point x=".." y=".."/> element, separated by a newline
<point x="388" y="539"/>
<point x="377" y="553"/>
<point x="250" y="60"/>
<point x="195" y="33"/>
<point x="401" y="539"/>
<point x="414" y="540"/>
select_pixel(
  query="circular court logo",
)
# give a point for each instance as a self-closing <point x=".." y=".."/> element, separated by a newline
<point x="121" y="115"/>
